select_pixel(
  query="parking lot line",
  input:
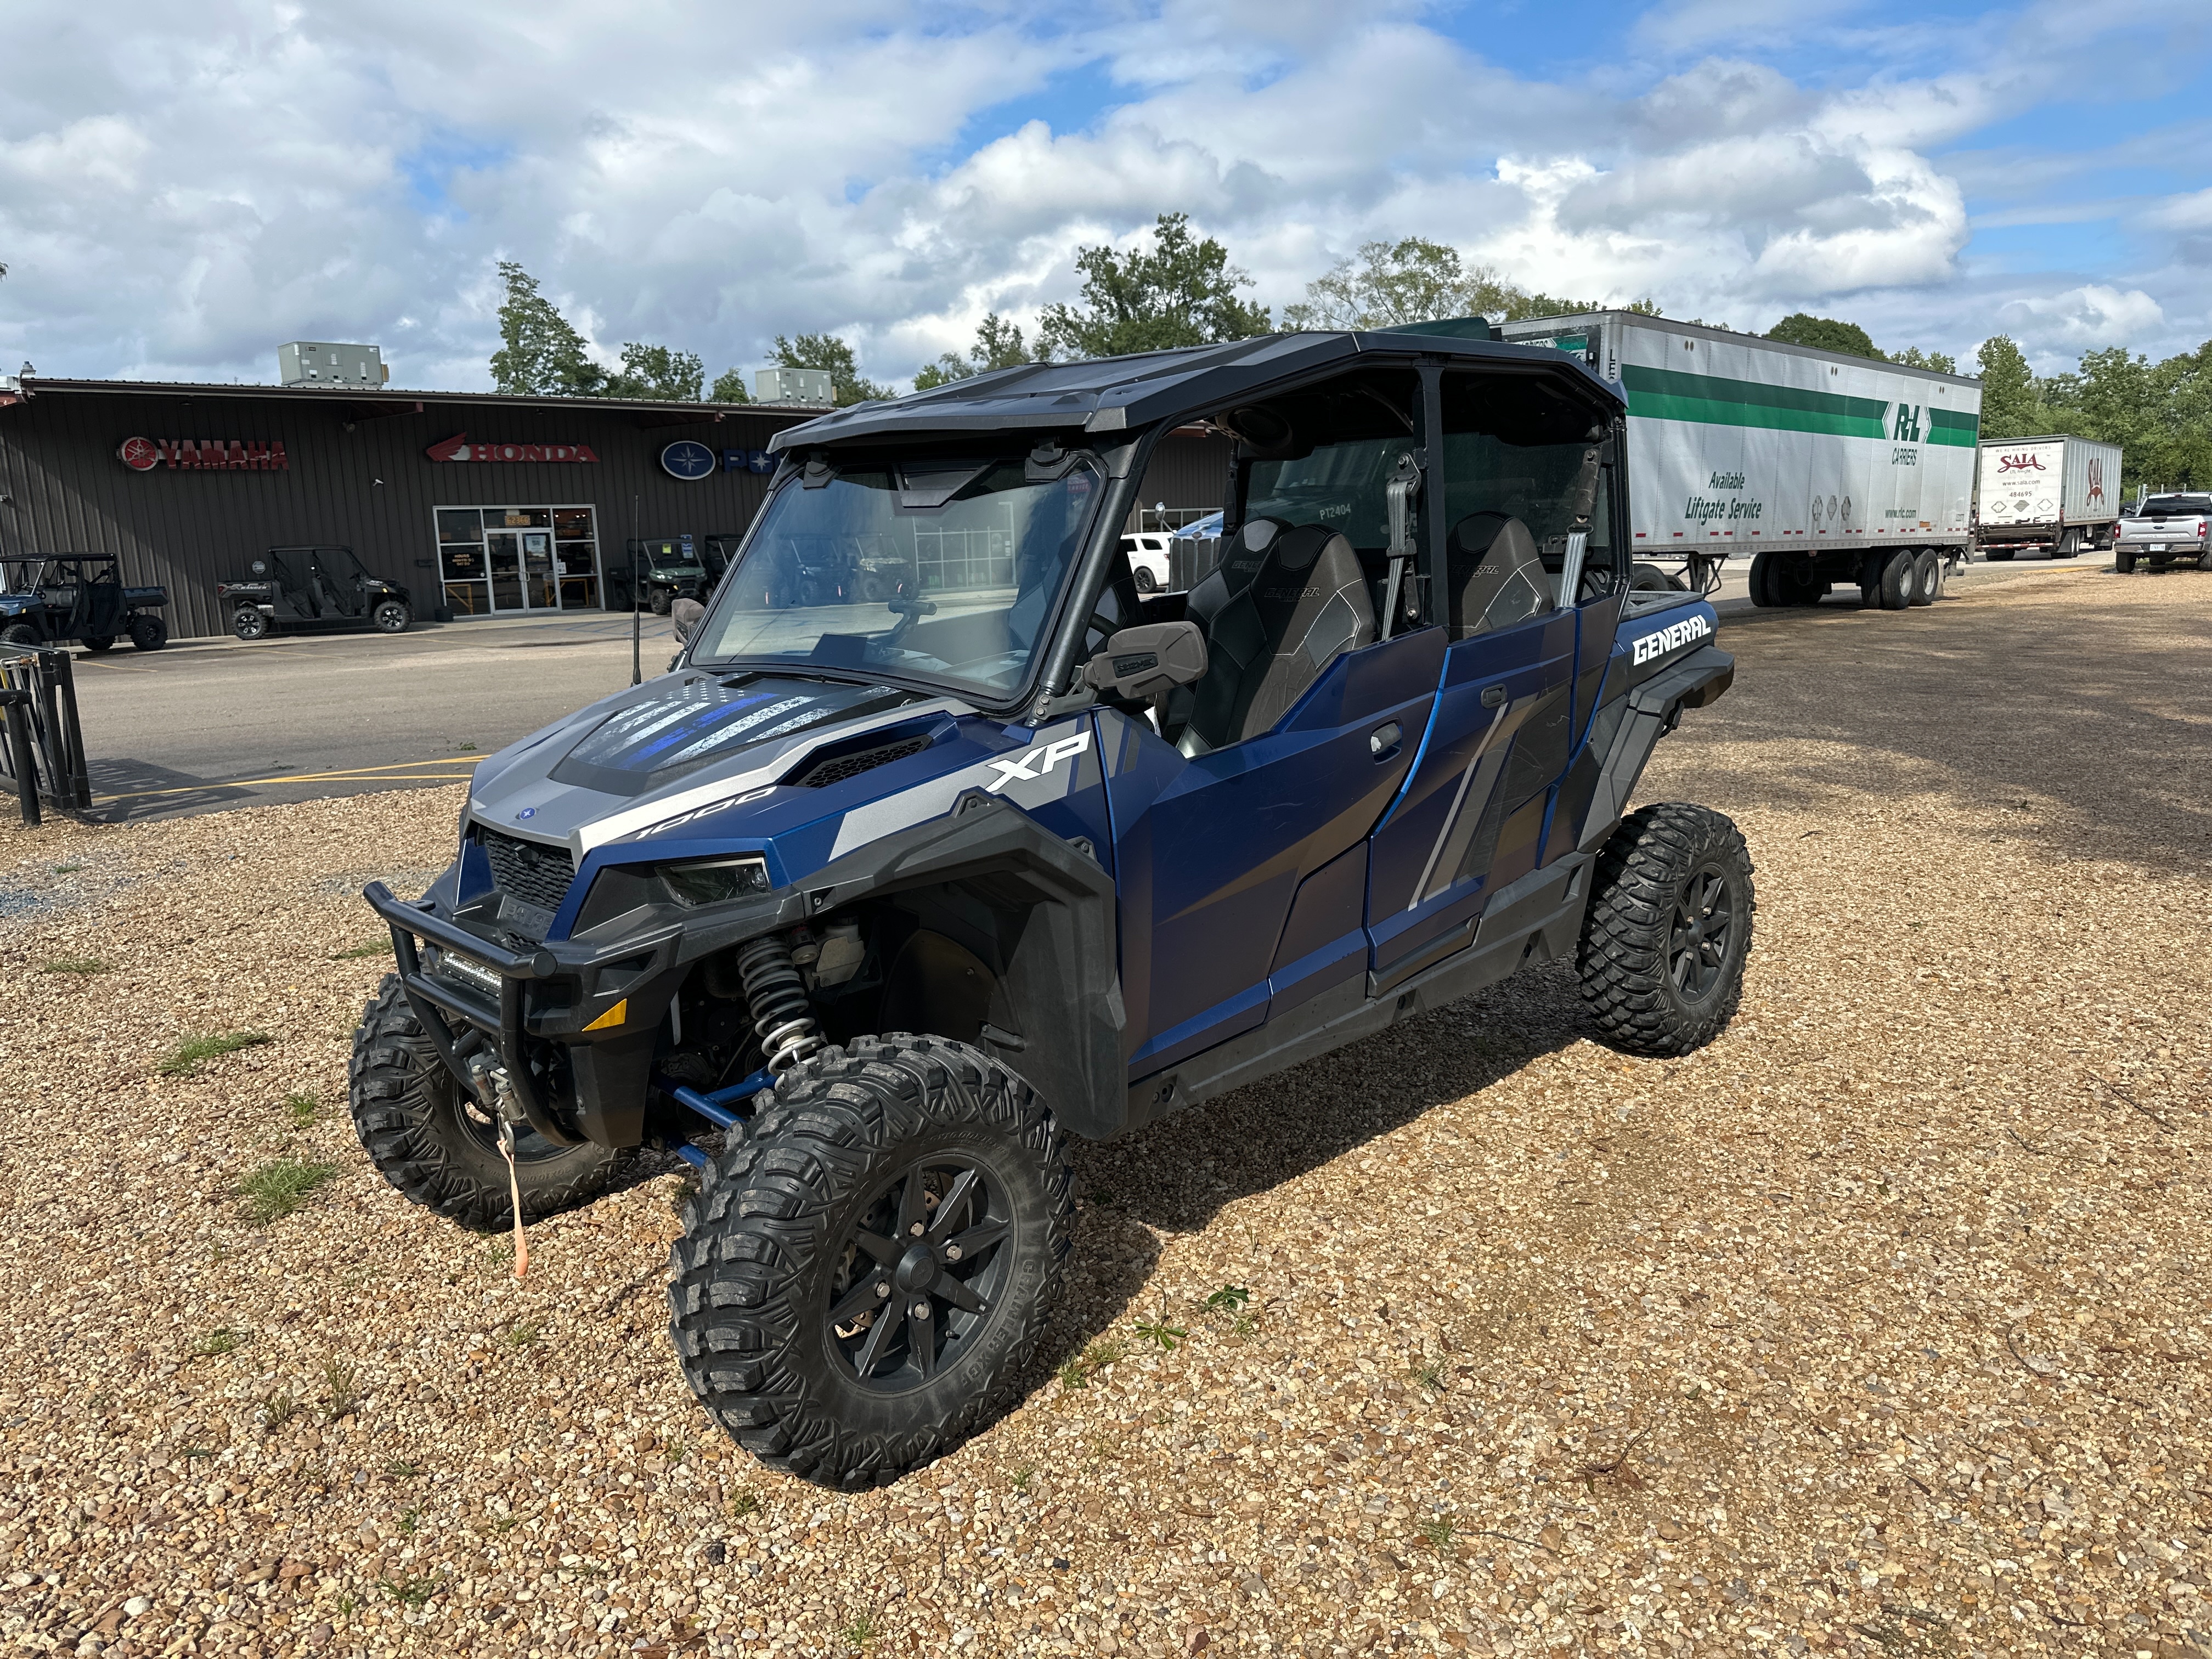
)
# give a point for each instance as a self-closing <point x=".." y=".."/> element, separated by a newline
<point x="388" y="773"/>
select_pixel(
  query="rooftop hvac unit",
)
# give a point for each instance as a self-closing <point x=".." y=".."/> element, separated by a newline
<point x="309" y="363"/>
<point x="794" y="386"/>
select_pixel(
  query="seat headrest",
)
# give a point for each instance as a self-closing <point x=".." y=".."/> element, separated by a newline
<point x="1296" y="550"/>
<point x="1497" y="574"/>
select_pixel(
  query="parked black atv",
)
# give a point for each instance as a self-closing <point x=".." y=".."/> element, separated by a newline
<point x="324" y="588"/>
<point x="53" y="600"/>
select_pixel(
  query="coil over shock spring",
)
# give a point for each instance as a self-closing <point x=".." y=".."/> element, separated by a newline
<point x="783" y="1020"/>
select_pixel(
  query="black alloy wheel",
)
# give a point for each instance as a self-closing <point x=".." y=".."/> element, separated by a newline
<point x="392" y="617"/>
<point x="248" y="623"/>
<point x="1699" y="944"/>
<point x="920" y="1274"/>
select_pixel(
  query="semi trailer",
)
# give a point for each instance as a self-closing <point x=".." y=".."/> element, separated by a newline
<point x="1825" y="469"/>
<point x="2055" y="495"/>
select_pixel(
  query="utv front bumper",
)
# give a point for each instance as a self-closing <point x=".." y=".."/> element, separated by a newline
<point x="601" y="1004"/>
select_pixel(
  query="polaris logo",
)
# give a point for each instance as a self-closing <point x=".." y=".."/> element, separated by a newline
<point x="1671" y="638"/>
<point x="1032" y="764"/>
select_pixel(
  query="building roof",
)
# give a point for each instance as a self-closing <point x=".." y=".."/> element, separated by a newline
<point x="1109" y="394"/>
<point x="390" y="401"/>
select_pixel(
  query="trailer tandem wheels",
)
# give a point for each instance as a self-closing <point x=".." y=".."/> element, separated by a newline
<point x="1827" y="468"/>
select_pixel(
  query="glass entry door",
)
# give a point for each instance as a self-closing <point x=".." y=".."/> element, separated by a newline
<point x="503" y="552"/>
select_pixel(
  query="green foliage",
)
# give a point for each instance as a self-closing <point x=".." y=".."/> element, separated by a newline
<point x="2160" y="414"/>
<point x="302" y="1109"/>
<point x="1416" y="280"/>
<point x="828" y="351"/>
<point x="275" y="1409"/>
<point x="1229" y="1298"/>
<point x="1824" y="334"/>
<point x="276" y="1190"/>
<point x="729" y="387"/>
<point x="1077" y="1373"/>
<point x="654" y="371"/>
<point x="185" y="1059"/>
<point x="524" y="1333"/>
<point x="999" y="345"/>
<point x="861" y="1632"/>
<point x="540" y="352"/>
<point x="747" y="1501"/>
<point x="1438" y="1534"/>
<point x="344" y="1386"/>
<point x="1942" y="362"/>
<point x="1159" y="1333"/>
<point x="75" y="965"/>
<point x="2011" y="408"/>
<point x="222" y="1340"/>
<point x="375" y="947"/>
<point x="1178" y="292"/>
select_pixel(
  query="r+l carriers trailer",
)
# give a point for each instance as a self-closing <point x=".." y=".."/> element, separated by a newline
<point x="2057" y="495"/>
<point x="1828" y="469"/>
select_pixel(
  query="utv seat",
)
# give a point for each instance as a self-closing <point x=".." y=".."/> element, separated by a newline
<point x="1494" y="575"/>
<point x="1287" y="603"/>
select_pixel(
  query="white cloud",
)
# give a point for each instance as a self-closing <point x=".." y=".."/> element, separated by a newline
<point x="180" y="191"/>
<point x="2084" y="318"/>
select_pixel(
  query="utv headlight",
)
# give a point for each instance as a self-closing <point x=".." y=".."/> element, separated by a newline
<point x="715" y="881"/>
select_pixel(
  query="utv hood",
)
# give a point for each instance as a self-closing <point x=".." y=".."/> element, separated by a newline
<point x="665" y="746"/>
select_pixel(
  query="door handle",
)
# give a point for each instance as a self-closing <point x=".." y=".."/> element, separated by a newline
<point x="1382" y="742"/>
<point x="1493" y="696"/>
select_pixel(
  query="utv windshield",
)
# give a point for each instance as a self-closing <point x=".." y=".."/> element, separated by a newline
<point x="942" y="569"/>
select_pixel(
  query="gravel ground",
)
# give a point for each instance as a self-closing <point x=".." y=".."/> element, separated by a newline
<point x="1880" y="1326"/>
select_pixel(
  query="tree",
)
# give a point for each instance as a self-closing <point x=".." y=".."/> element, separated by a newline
<point x="1178" y="292"/>
<point x="999" y="345"/>
<point x="2010" y="407"/>
<point x="1913" y="357"/>
<point x="540" y="353"/>
<point x="828" y="351"/>
<point x="729" y="387"/>
<point x="1416" y="280"/>
<point x="1824" y="334"/>
<point x="652" y="371"/>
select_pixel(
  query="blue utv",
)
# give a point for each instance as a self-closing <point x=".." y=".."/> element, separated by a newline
<point x="885" y="896"/>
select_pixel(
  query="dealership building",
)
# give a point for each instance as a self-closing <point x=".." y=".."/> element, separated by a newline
<point x="478" y="504"/>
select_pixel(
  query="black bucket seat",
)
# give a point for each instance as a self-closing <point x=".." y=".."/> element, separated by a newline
<point x="1494" y="573"/>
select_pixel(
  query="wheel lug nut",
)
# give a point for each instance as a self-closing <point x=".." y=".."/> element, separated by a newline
<point x="952" y="1252"/>
<point x="921" y="1310"/>
<point x="916" y="1230"/>
<point x="882" y="1289"/>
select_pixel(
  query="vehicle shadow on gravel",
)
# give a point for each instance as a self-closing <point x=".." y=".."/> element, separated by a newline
<point x="1175" y="1176"/>
<point x="2070" y="727"/>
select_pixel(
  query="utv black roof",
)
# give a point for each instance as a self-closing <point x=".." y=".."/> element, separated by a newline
<point x="1112" y="394"/>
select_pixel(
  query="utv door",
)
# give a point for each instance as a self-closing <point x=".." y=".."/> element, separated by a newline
<point x="1240" y="829"/>
<point x="1522" y="479"/>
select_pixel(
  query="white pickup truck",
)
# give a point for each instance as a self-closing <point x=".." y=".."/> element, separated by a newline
<point x="2166" y="530"/>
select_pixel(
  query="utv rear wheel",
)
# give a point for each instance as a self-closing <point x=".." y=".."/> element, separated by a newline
<point x="862" y="1281"/>
<point x="148" y="633"/>
<point x="392" y="617"/>
<point x="248" y="623"/>
<point x="430" y="1140"/>
<point x="1668" y="927"/>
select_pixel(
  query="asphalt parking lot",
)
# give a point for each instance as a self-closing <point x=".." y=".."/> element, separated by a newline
<point x="208" y="724"/>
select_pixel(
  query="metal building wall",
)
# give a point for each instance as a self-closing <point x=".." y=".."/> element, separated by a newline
<point x="1188" y="469"/>
<point x="363" y="483"/>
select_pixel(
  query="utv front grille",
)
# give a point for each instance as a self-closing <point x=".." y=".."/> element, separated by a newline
<point x="838" y="767"/>
<point x="532" y="872"/>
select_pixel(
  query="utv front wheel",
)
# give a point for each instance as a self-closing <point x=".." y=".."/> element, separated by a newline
<point x="431" y="1140"/>
<point x="1669" y="926"/>
<point x="862" y="1280"/>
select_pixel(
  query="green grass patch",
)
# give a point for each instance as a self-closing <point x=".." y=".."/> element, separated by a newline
<point x="276" y="1190"/>
<point x="185" y="1059"/>
<point x="223" y="1339"/>
<point x="302" y="1109"/>
<point x="75" y="965"/>
<point x="375" y="947"/>
<point x="67" y="869"/>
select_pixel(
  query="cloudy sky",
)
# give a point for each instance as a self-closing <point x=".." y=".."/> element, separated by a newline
<point x="184" y="187"/>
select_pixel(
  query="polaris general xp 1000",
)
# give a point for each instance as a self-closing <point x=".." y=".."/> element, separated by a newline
<point x="889" y="897"/>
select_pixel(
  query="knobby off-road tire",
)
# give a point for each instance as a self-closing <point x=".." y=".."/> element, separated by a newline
<point x="1668" y="927"/>
<point x="438" y="1147"/>
<point x="791" y="1235"/>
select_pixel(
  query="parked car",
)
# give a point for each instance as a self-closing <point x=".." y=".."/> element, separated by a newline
<point x="2167" y="530"/>
<point x="901" y="899"/>
<point x="324" y="587"/>
<point x="54" y="598"/>
<point x="1149" y="553"/>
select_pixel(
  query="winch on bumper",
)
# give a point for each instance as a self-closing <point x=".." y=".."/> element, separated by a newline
<point x="600" y="1006"/>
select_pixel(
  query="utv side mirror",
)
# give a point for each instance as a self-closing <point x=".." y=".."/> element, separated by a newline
<point x="1139" y="663"/>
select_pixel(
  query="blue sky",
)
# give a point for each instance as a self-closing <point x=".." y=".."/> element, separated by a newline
<point x="181" y="189"/>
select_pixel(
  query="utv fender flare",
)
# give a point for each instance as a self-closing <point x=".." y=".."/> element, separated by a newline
<point x="1062" y="981"/>
<point x="1654" y="708"/>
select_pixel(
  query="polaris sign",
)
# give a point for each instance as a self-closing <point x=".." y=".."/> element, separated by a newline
<point x="689" y="460"/>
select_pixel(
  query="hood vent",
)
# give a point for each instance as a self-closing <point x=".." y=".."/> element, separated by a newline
<point x="530" y="871"/>
<point x="824" y="770"/>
